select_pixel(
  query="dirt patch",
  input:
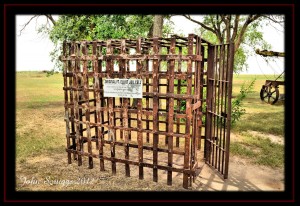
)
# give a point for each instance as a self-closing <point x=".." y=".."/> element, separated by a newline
<point x="273" y="138"/>
<point x="53" y="173"/>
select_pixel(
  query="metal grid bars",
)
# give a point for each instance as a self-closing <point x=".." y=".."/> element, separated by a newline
<point x="163" y="129"/>
<point x="218" y="118"/>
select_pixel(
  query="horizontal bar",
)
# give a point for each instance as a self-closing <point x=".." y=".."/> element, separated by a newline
<point x="167" y="168"/>
<point x="145" y="74"/>
<point x="143" y="57"/>
<point x="218" y="115"/>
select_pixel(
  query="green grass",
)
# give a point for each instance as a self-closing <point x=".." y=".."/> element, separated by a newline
<point x="260" y="117"/>
<point x="39" y="113"/>
<point x="40" y="126"/>
<point x="260" y="150"/>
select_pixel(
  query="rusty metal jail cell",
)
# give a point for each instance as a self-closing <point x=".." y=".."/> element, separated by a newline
<point x="167" y="122"/>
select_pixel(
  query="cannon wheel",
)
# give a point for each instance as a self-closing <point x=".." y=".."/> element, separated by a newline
<point x="269" y="94"/>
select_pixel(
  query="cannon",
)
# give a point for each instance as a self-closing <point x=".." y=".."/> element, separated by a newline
<point x="270" y="90"/>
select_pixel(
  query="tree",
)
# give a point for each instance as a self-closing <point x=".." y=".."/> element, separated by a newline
<point x="91" y="27"/>
<point x="158" y="25"/>
<point x="243" y="30"/>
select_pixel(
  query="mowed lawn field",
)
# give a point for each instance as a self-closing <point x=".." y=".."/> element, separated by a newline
<point x="257" y="138"/>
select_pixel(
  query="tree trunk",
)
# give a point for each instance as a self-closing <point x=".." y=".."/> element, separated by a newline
<point x="158" y="25"/>
<point x="155" y="31"/>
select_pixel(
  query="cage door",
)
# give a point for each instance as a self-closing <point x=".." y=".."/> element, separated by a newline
<point x="218" y="112"/>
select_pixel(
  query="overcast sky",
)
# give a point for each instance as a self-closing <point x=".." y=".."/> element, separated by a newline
<point x="33" y="49"/>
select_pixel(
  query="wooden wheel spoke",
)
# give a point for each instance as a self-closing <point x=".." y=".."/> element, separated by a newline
<point x="265" y="96"/>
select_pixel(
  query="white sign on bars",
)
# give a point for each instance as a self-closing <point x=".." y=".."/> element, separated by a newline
<point x="126" y="88"/>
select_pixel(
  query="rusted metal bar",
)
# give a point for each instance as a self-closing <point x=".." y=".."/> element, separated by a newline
<point x="95" y="79"/>
<point x="220" y="116"/>
<point x="171" y="112"/>
<point x="196" y="112"/>
<point x="146" y="74"/>
<point x="202" y="85"/>
<point x="86" y="100"/>
<point x="110" y="68"/>
<point x="134" y="57"/>
<point x="155" y="110"/>
<point x="125" y="103"/>
<point x="147" y="105"/>
<point x="102" y="102"/>
<point x="99" y="114"/>
<point x="178" y="101"/>
<point x="66" y="68"/>
<point x="173" y="169"/>
<point x="189" y="115"/>
<point x="115" y="121"/>
<point x="222" y="109"/>
<point x="229" y="77"/>
<point x="77" y="99"/>
<point x="209" y="102"/>
<point x="139" y="116"/>
<point x="214" y="131"/>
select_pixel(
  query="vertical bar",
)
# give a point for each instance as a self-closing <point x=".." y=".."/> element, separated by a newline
<point x="178" y="100"/>
<point x="139" y="114"/>
<point x="111" y="130"/>
<point x="77" y="99"/>
<point x="201" y="76"/>
<point x="147" y="106"/>
<point x="188" y="114"/>
<point x="101" y="116"/>
<point x="98" y="97"/>
<point x="129" y="114"/>
<point x="199" y="68"/>
<point x="76" y="68"/>
<point x="209" y="102"/>
<point x="213" y="138"/>
<point x="197" y="114"/>
<point x="171" y="111"/>
<point x="230" y="74"/>
<point x="219" y="81"/>
<point x="122" y="71"/>
<point x="66" y="102"/>
<point x="95" y="87"/>
<point x="87" y="104"/>
<point x="155" y="109"/>
<point x="72" y="109"/>
<point x="147" y="97"/>
<point x="168" y="91"/>
<point x="125" y="104"/>
<point x="225" y="90"/>
<point x="222" y="111"/>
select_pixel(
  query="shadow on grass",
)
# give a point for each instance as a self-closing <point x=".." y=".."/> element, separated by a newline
<point x="40" y="104"/>
<point x="271" y="123"/>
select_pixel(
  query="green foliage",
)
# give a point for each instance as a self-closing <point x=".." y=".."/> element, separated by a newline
<point x="252" y="38"/>
<point x="92" y="27"/>
<point x="237" y="109"/>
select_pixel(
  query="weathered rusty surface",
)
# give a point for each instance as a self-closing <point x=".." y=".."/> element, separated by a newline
<point x="158" y="120"/>
<point x="155" y="110"/>
<point x="139" y="115"/>
<point x="125" y="111"/>
<point x="171" y="111"/>
<point x="218" y="117"/>
<point x="189" y="116"/>
<point x="229" y="77"/>
<point x="111" y="130"/>
<point x="86" y="102"/>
